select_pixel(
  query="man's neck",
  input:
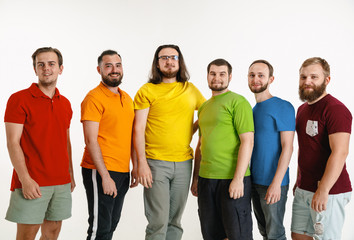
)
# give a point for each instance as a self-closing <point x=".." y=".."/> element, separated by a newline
<point x="318" y="99"/>
<point x="47" y="90"/>
<point x="216" y="93"/>
<point x="169" y="80"/>
<point x="265" y="95"/>
<point x="112" y="89"/>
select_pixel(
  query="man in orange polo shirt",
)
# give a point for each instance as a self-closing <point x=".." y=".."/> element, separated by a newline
<point x="107" y="115"/>
<point x="37" y="122"/>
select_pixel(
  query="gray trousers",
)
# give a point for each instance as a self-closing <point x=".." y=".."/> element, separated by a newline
<point x="166" y="200"/>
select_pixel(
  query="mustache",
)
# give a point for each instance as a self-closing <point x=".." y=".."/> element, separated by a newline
<point x="114" y="73"/>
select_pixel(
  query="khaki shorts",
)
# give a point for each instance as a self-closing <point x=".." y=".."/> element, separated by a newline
<point x="54" y="205"/>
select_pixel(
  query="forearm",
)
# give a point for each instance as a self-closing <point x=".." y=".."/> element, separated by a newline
<point x="197" y="160"/>
<point x="283" y="165"/>
<point x="243" y="159"/>
<point x="96" y="155"/>
<point x="18" y="161"/>
<point x="139" y="146"/>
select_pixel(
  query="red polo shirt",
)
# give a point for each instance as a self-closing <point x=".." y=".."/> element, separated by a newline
<point x="44" y="137"/>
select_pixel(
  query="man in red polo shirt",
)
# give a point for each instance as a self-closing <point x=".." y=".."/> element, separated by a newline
<point x="37" y="123"/>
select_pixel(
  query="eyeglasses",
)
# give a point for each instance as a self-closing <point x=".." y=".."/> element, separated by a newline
<point x="165" y="57"/>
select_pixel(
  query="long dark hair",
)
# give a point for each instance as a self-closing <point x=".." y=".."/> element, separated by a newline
<point x="156" y="75"/>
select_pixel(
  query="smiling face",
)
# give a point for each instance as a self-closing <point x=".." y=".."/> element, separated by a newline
<point x="47" y="68"/>
<point x="169" y="67"/>
<point x="218" y="78"/>
<point x="312" y="83"/>
<point x="111" y="70"/>
<point x="258" y="77"/>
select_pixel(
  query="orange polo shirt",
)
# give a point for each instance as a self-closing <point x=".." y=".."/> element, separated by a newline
<point x="44" y="136"/>
<point x="115" y="114"/>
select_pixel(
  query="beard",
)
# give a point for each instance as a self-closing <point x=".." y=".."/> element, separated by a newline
<point x="218" y="89"/>
<point x="112" y="82"/>
<point x="169" y="74"/>
<point x="262" y="89"/>
<point x="316" y="92"/>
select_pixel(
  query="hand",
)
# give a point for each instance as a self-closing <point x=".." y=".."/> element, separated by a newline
<point x="144" y="175"/>
<point x="273" y="193"/>
<point x="30" y="189"/>
<point x="134" y="178"/>
<point x="194" y="187"/>
<point x="73" y="184"/>
<point x="109" y="186"/>
<point x="294" y="188"/>
<point x="319" y="201"/>
<point x="236" y="188"/>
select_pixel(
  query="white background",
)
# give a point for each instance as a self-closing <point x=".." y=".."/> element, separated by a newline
<point x="283" y="32"/>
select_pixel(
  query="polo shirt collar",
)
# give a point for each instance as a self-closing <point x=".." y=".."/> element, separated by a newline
<point x="36" y="92"/>
<point x="109" y="93"/>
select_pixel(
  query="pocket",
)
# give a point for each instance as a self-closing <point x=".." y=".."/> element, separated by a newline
<point x="312" y="128"/>
<point x="245" y="221"/>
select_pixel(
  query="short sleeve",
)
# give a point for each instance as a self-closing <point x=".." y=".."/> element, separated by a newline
<point x="91" y="109"/>
<point x="339" y="119"/>
<point x="200" y="99"/>
<point x="15" y="111"/>
<point x="243" y="117"/>
<point x="141" y="99"/>
<point x="285" y="121"/>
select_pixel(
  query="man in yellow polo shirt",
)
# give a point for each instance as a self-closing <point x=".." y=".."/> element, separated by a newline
<point x="163" y="129"/>
<point x="107" y="116"/>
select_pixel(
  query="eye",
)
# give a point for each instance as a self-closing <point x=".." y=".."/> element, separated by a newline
<point x="260" y="75"/>
<point x="251" y="75"/>
<point x="314" y="77"/>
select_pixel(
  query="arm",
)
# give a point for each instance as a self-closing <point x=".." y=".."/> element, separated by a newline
<point x="71" y="171"/>
<point x="144" y="172"/>
<point x="274" y="189"/>
<point x="91" y="134"/>
<point x="134" y="173"/>
<point x="197" y="159"/>
<point x="339" y="144"/>
<point x="195" y="126"/>
<point x="243" y="159"/>
<point x="30" y="188"/>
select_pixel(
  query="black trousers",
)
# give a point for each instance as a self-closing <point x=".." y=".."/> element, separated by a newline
<point x="104" y="210"/>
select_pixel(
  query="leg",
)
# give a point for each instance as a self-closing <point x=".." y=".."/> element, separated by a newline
<point x="157" y="200"/>
<point x="50" y="230"/>
<point x="297" y="236"/>
<point x="122" y="184"/>
<point x="100" y="206"/>
<point x="258" y="212"/>
<point x="209" y="209"/>
<point x="273" y="214"/>
<point x="179" y="190"/>
<point x="27" y="231"/>
<point x="236" y="213"/>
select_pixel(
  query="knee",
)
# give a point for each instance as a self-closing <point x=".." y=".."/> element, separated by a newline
<point x="50" y="230"/>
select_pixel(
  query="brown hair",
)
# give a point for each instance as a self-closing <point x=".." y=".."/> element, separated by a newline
<point x="107" y="52"/>
<point x="47" y="49"/>
<point x="220" y="62"/>
<point x="156" y="75"/>
<point x="317" y="60"/>
<point x="270" y="67"/>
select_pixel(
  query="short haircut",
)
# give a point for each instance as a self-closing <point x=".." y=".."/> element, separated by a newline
<point x="317" y="60"/>
<point x="220" y="62"/>
<point x="47" y="49"/>
<point x="270" y="67"/>
<point x="107" y="52"/>
<point x="156" y="75"/>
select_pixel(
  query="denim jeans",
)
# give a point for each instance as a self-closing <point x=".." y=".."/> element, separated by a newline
<point x="166" y="200"/>
<point x="269" y="216"/>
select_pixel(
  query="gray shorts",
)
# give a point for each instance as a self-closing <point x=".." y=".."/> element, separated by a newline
<point x="327" y="224"/>
<point x="54" y="205"/>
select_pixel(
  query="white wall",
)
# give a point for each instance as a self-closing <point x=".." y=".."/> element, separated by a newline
<point x="280" y="31"/>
